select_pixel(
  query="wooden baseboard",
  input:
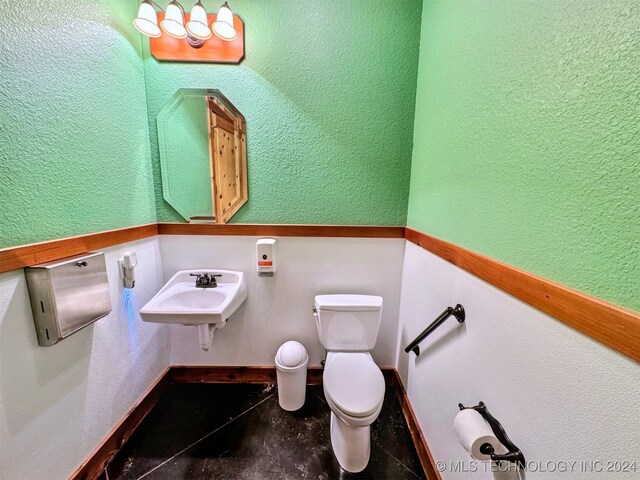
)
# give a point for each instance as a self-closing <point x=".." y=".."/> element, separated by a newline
<point x="419" y="440"/>
<point x="232" y="374"/>
<point x="111" y="445"/>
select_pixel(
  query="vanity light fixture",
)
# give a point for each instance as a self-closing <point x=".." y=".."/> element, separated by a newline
<point x="179" y="36"/>
<point x="223" y="26"/>
<point x="147" y="20"/>
<point x="197" y="26"/>
<point x="173" y="23"/>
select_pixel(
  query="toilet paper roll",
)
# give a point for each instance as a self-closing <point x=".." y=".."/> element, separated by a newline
<point x="473" y="431"/>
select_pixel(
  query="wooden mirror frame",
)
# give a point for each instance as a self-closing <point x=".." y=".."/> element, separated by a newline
<point x="228" y="154"/>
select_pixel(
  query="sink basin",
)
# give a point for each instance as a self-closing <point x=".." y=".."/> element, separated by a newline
<point x="180" y="301"/>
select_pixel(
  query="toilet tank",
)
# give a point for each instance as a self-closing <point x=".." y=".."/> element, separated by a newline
<point x="348" y="322"/>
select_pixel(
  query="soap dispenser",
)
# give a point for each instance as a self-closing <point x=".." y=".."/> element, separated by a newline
<point x="266" y="257"/>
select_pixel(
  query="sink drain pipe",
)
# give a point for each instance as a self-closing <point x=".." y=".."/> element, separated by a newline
<point x="205" y="334"/>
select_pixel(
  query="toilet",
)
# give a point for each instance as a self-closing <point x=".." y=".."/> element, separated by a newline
<point x="353" y="384"/>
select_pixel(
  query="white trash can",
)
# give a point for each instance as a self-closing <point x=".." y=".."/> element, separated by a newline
<point x="291" y="368"/>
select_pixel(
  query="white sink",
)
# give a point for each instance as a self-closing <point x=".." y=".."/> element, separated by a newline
<point x="180" y="301"/>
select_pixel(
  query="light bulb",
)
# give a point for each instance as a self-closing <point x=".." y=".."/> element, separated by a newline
<point x="147" y="20"/>
<point x="223" y="26"/>
<point x="173" y="22"/>
<point x="197" y="26"/>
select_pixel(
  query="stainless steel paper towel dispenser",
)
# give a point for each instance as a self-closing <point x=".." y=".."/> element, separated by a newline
<point x="67" y="295"/>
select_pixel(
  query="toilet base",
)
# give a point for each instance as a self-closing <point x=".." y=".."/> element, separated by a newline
<point x="351" y="445"/>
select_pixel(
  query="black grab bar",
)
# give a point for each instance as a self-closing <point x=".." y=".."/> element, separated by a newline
<point x="457" y="311"/>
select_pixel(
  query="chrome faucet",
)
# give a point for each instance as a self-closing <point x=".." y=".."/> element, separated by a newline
<point x="204" y="280"/>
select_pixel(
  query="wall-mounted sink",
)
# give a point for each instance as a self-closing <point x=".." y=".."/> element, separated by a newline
<point x="181" y="301"/>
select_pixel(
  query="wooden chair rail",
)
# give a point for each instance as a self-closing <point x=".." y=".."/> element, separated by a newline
<point x="615" y="326"/>
<point x="13" y="258"/>
<point x="244" y="229"/>
<point x="22" y="256"/>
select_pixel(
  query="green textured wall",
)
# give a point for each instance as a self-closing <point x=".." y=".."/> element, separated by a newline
<point x="328" y="91"/>
<point x="527" y="137"/>
<point x="74" y="156"/>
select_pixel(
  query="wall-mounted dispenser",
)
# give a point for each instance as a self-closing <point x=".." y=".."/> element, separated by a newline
<point x="127" y="269"/>
<point x="266" y="257"/>
<point x="67" y="295"/>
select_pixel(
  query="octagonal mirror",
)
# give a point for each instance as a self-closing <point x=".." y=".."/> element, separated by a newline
<point x="203" y="155"/>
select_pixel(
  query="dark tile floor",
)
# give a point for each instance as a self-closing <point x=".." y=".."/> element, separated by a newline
<point x="236" y="431"/>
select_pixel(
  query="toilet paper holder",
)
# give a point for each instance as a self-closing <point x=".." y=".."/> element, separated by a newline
<point x="514" y="455"/>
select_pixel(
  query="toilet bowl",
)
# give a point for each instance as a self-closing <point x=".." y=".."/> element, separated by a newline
<point x="354" y="389"/>
<point x="353" y="384"/>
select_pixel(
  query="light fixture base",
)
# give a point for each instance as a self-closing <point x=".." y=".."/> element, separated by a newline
<point x="195" y="42"/>
<point x="213" y="50"/>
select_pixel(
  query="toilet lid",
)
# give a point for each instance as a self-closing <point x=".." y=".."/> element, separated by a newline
<point x="346" y="303"/>
<point x="354" y="383"/>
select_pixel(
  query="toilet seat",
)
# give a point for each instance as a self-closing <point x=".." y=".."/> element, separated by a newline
<point x="354" y="384"/>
